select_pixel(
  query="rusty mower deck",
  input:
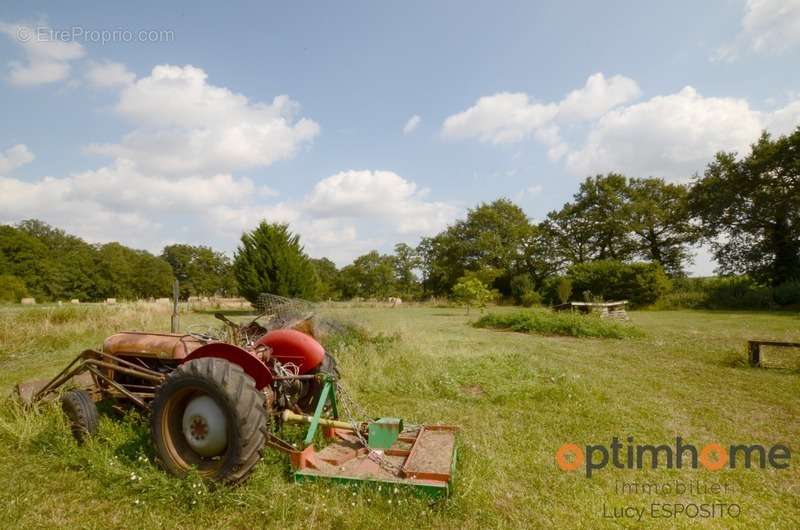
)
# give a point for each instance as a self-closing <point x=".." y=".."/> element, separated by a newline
<point x="383" y="451"/>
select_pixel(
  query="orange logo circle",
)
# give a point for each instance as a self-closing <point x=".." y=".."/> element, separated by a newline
<point x="571" y="450"/>
<point x="706" y="453"/>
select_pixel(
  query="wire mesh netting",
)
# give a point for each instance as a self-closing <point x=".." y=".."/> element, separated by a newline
<point x="281" y="312"/>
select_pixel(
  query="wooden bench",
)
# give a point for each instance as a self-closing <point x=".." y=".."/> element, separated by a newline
<point x="754" y="349"/>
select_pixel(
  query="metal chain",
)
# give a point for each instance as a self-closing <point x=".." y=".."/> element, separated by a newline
<point x="348" y="404"/>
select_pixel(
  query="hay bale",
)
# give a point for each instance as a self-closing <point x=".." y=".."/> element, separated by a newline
<point x="28" y="301"/>
<point x="75" y="301"/>
<point x="163" y="301"/>
<point x="395" y="301"/>
<point x="111" y="301"/>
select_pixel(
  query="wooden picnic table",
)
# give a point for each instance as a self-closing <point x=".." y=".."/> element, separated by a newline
<point x="606" y="309"/>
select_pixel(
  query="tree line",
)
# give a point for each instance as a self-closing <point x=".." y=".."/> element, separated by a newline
<point x="618" y="236"/>
<point x="45" y="262"/>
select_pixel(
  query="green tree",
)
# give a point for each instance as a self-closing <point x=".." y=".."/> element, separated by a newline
<point x="662" y="223"/>
<point x="69" y="270"/>
<point x="57" y="266"/>
<point x="12" y="289"/>
<point x="640" y="283"/>
<point x="470" y="291"/>
<point x="27" y="258"/>
<point x="750" y="209"/>
<point x="129" y="274"/>
<point x="369" y="276"/>
<point x="540" y="258"/>
<point x="200" y="270"/>
<point x="491" y="237"/>
<point x="569" y="234"/>
<point x="596" y="225"/>
<point x="406" y="261"/>
<point x="328" y="276"/>
<point x="270" y="259"/>
<point x="153" y="276"/>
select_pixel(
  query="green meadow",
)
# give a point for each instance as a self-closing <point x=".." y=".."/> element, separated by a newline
<point x="516" y="395"/>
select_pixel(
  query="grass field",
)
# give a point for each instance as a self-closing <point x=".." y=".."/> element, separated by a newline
<point x="517" y="397"/>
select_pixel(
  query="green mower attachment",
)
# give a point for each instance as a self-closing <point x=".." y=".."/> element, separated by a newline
<point x="383" y="451"/>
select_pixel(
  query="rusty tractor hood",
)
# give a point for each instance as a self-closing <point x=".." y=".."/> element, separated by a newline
<point x="158" y="345"/>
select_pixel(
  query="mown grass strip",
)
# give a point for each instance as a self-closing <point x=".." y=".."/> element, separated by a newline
<point x="544" y="322"/>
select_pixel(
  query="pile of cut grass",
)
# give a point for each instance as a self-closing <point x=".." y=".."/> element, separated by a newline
<point x="544" y="322"/>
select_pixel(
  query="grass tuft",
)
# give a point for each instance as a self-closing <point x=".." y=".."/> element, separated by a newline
<point x="543" y="322"/>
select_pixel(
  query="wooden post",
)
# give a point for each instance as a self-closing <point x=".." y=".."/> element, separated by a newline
<point x="176" y="319"/>
<point x="754" y="351"/>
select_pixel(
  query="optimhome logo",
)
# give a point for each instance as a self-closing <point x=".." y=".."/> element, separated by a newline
<point x="712" y="456"/>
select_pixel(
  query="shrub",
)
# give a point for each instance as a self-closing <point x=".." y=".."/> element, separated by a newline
<point x="470" y="291"/>
<point x="12" y="288"/>
<point x="531" y="298"/>
<point x="639" y="283"/>
<point x="545" y="322"/>
<point x="737" y="292"/>
<point x="564" y="290"/>
<point x="728" y="292"/>
<point x="520" y="286"/>
<point x="523" y="291"/>
<point x="787" y="293"/>
<point x="682" y="300"/>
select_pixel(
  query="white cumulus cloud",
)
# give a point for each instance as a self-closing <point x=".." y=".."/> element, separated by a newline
<point x="768" y="27"/>
<point x="676" y="135"/>
<point x="381" y="195"/>
<point x="14" y="157"/>
<point x="344" y="215"/>
<point x="108" y="74"/>
<point x="412" y="124"/>
<point x="47" y="59"/>
<point x="597" y="97"/>
<point x="173" y="176"/>
<point x="501" y="118"/>
<point x="186" y="125"/>
<point x="509" y="117"/>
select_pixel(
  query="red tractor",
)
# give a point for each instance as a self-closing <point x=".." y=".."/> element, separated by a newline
<point x="215" y="403"/>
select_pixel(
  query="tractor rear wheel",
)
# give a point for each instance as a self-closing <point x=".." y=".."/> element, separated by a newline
<point x="209" y="415"/>
<point x="82" y="413"/>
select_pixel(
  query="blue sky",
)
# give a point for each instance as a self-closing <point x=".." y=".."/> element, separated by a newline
<point x="178" y="136"/>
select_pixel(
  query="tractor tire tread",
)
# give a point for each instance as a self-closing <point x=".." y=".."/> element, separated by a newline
<point x="237" y="393"/>
<point x="81" y="411"/>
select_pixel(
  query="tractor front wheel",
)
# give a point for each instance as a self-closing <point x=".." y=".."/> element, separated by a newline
<point x="81" y="412"/>
<point x="209" y="415"/>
